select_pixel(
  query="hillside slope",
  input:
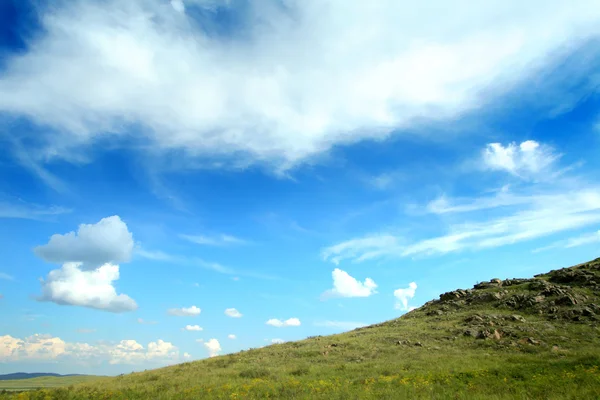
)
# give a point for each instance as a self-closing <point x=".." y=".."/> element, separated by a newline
<point x="532" y="338"/>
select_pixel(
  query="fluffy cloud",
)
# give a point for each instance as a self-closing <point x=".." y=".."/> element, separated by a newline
<point x="38" y="348"/>
<point x="345" y="285"/>
<point x="277" y="341"/>
<point x="404" y="295"/>
<point x="69" y="285"/>
<point x="196" y="328"/>
<point x="232" y="337"/>
<point x="213" y="347"/>
<point x="527" y="159"/>
<point x="184" y="312"/>
<point x="108" y="241"/>
<point x="278" y="97"/>
<point x="282" y="324"/>
<point x="233" y="313"/>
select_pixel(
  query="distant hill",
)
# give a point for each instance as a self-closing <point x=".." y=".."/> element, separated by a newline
<point x="534" y="338"/>
<point x="25" y="375"/>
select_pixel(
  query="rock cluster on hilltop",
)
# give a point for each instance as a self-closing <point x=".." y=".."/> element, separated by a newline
<point x="570" y="293"/>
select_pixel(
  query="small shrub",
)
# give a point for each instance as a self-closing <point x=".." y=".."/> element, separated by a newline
<point x="300" y="371"/>
<point x="255" y="373"/>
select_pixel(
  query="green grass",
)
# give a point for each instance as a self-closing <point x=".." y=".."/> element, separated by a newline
<point x="424" y="354"/>
<point x="43" y="382"/>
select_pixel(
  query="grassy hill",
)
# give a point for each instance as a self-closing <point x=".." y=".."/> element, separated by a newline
<point x="532" y="338"/>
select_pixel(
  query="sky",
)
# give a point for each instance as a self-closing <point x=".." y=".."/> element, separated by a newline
<point x="189" y="178"/>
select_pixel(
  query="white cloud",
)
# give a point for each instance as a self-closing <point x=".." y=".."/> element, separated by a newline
<point x="345" y="285"/>
<point x="6" y="277"/>
<point x="344" y="325"/>
<point x="200" y="340"/>
<point x="282" y="324"/>
<point x="178" y="5"/>
<point x="213" y="346"/>
<point x="543" y="216"/>
<point x="576" y="241"/>
<point x="196" y="328"/>
<point x="537" y="210"/>
<point x="185" y="312"/>
<point x="108" y="241"/>
<point x="219" y="240"/>
<point x="278" y="97"/>
<point x="233" y="313"/>
<point x="232" y="337"/>
<point x="404" y="295"/>
<point x="144" y="322"/>
<point x="69" y="285"/>
<point x="361" y="248"/>
<point x="40" y="348"/>
<point x="277" y="341"/>
<point x="528" y="159"/>
<point x="24" y="210"/>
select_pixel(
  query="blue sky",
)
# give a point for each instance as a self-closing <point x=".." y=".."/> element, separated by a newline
<point x="181" y="179"/>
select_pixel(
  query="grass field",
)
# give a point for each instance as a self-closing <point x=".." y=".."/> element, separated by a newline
<point x="43" y="382"/>
<point x="523" y="339"/>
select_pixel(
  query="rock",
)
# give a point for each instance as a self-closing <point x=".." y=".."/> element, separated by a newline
<point x="566" y="300"/>
<point x="517" y="318"/>
<point x="418" y="344"/>
<point x="471" y="332"/>
<point x="435" y="312"/>
<point x="497" y="281"/>
<point x="588" y="312"/>
<point x="531" y="340"/>
<point x="474" y="318"/>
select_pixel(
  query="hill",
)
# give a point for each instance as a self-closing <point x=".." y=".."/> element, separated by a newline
<point x="534" y="338"/>
<point x="27" y="375"/>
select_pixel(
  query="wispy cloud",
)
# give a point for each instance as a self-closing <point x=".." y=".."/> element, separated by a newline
<point x="6" y="277"/>
<point x="201" y="263"/>
<point x="534" y="211"/>
<point x="217" y="240"/>
<point x="190" y="94"/>
<point x="576" y="241"/>
<point x="142" y="321"/>
<point x="23" y="210"/>
<point x="344" y="325"/>
<point x="544" y="216"/>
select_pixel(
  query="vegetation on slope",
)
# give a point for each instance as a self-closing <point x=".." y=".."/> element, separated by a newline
<point x="520" y="338"/>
